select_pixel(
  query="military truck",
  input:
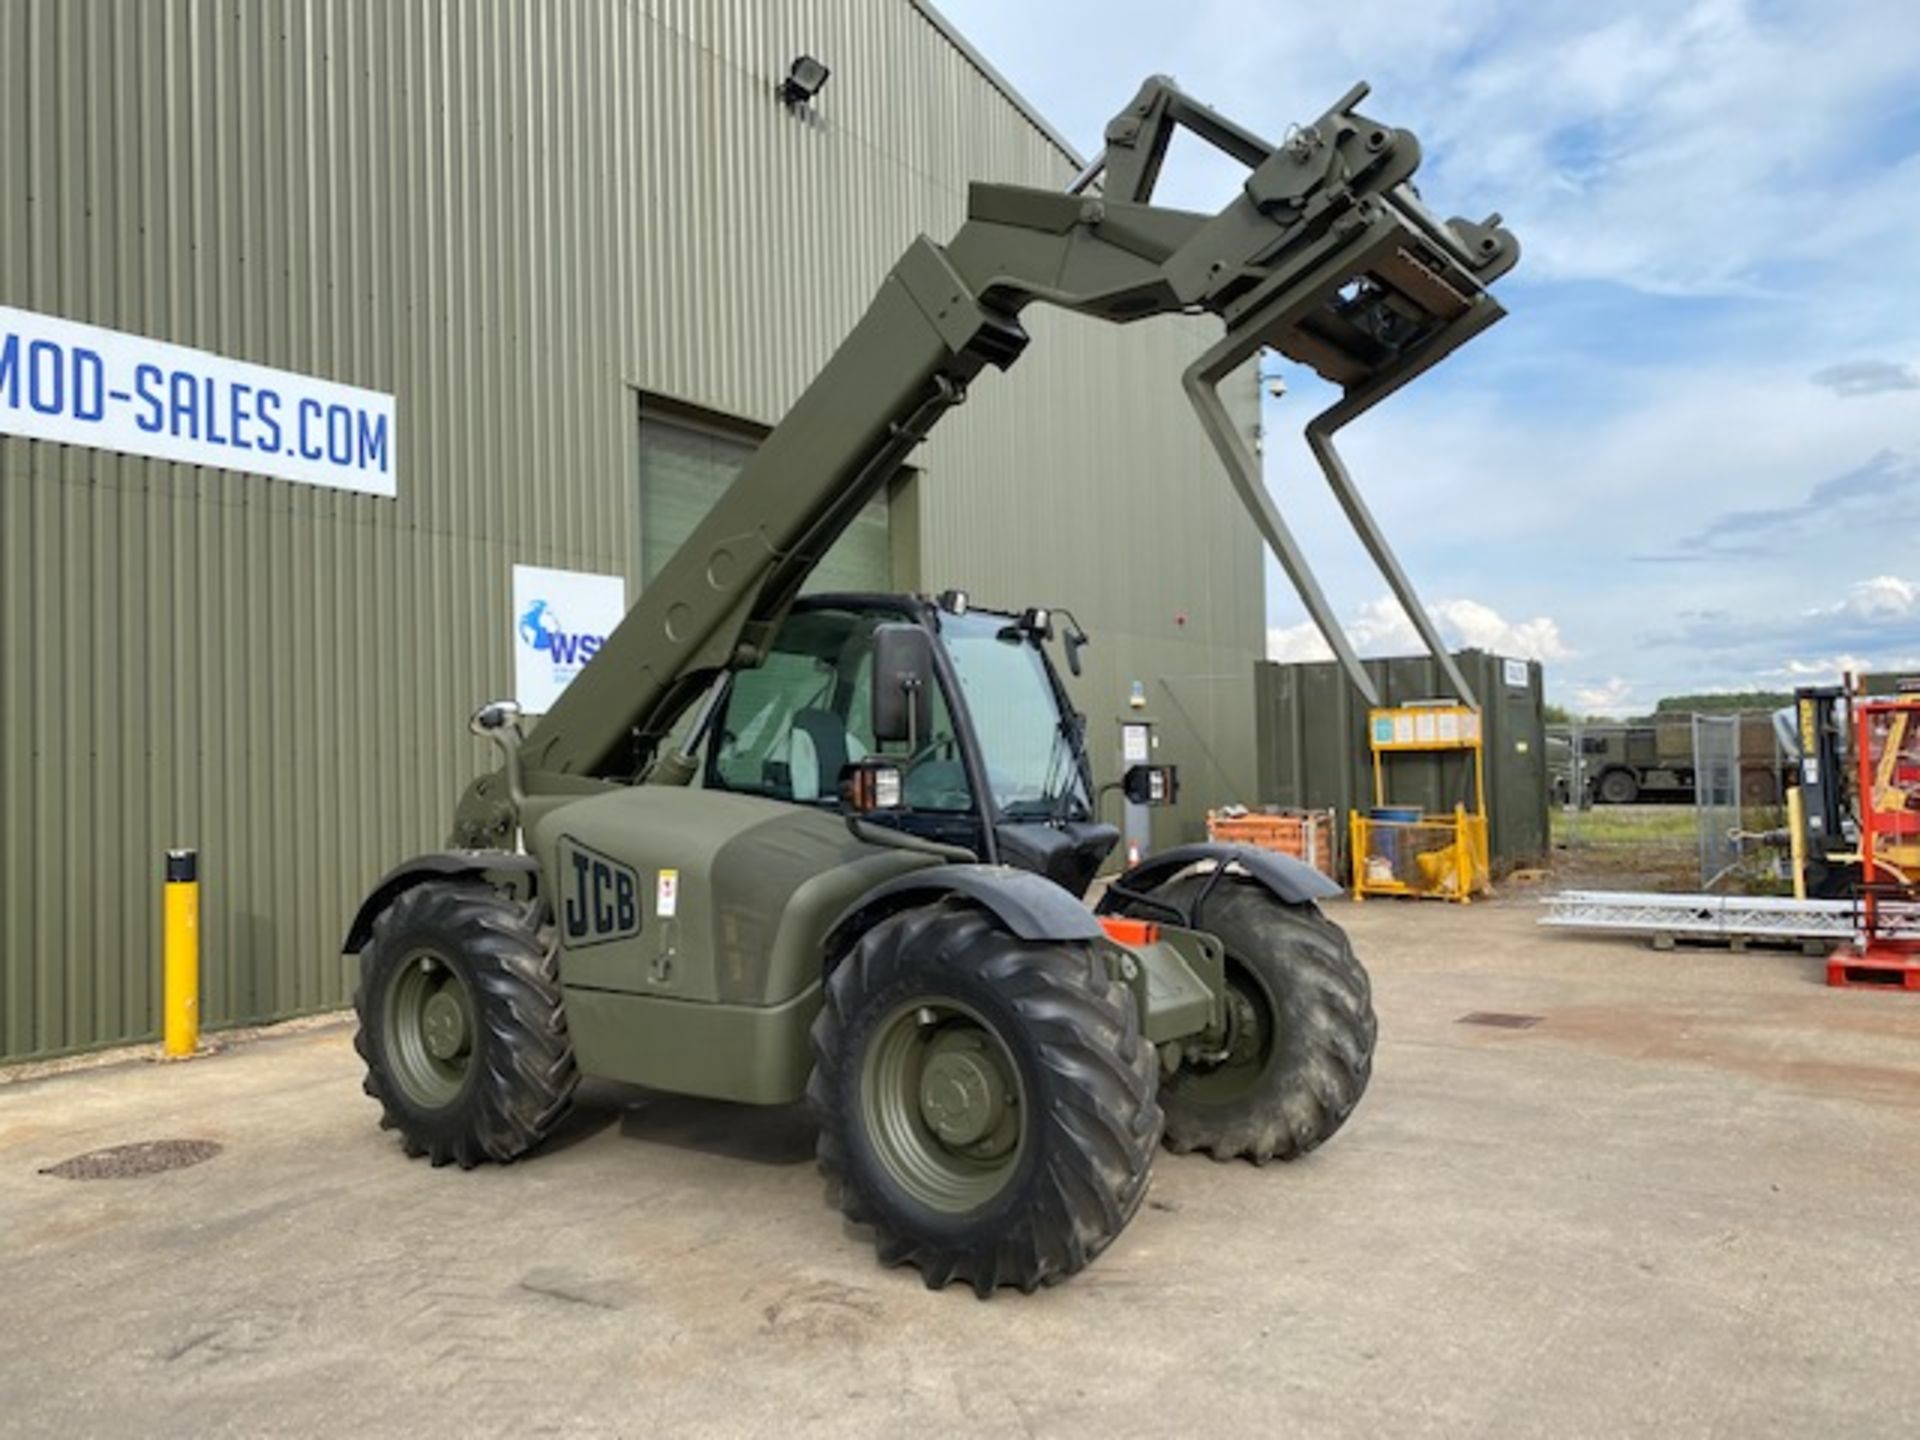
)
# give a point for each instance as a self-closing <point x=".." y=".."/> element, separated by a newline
<point x="1625" y="763"/>
<point x="765" y="847"/>
<point x="1621" y="763"/>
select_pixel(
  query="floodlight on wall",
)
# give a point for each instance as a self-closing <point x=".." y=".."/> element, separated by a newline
<point x="1275" y="382"/>
<point x="806" y="77"/>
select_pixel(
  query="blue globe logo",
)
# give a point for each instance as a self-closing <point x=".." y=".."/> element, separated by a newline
<point x="539" y="626"/>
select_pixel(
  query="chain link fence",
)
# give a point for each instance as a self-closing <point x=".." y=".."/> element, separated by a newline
<point x="1716" y="794"/>
<point x="1680" y="803"/>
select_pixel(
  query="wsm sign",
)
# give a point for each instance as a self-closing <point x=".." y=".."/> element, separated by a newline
<point x="561" y="619"/>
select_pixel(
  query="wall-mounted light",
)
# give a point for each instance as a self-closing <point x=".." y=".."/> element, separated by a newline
<point x="805" y="79"/>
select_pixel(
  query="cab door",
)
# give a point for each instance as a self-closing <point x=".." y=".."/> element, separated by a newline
<point x="789" y="726"/>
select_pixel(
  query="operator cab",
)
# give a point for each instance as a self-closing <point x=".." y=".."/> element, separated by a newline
<point x="994" y="759"/>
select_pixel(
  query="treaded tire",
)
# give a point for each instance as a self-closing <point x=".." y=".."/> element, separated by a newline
<point x="520" y="1073"/>
<point x="1089" y="1124"/>
<point x="1317" y="1060"/>
<point x="1618" y="787"/>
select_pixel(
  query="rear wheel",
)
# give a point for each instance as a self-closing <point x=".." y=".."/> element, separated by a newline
<point x="986" y="1104"/>
<point x="461" y="1024"/>
<point x="1298" y="1051"/>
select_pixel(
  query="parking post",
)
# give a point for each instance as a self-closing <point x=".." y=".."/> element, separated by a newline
<point x="180" y="986"/>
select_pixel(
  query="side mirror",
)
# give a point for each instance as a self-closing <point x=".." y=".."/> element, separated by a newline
<point x="870" y="785"/>
<point x="495" y="716"/>
<point x="1075" y="641"/>
<point x="902" y="683"/>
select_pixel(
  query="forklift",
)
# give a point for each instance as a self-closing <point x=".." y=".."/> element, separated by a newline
<point x="1845" y="751"/>
<point x="1816" y="734"/>
<point x="1853" y="822"/>
<point x="765" y="847"/>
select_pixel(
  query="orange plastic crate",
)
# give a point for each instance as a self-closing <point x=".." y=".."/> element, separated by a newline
<point x="1304" y="834"/>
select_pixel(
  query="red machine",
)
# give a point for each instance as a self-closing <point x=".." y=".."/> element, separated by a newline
<point x="1887" y="746"/>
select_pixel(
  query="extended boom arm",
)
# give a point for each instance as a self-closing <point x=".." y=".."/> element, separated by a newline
<point x="1326" y="255"/>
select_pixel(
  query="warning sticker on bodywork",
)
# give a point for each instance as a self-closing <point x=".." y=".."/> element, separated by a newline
<point x="666" y="896"/>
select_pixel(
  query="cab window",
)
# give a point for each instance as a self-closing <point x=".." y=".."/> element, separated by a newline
<point x="791" y="724"/>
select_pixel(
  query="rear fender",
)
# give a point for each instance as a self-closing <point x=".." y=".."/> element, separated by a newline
<point x="500" y="865"/>
<point x="1031" y="906"/>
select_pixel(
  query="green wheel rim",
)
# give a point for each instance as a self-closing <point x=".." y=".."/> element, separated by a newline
<point x="430" y="1030"/>
<point x="943" y="1104"/>
<point x="1251" y="1036"/>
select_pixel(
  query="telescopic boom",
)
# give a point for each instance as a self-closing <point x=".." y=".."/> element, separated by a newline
<point x="1326" y="255"/>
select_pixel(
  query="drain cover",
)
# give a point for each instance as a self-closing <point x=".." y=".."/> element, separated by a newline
<point x="1499" y="1021"/>
<point x="144" y="1157"/>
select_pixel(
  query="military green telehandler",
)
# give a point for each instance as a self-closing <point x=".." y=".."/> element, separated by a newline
<point x="766" y="847"/>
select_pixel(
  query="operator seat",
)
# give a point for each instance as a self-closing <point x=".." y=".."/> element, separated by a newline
<point x="817" y="753"/>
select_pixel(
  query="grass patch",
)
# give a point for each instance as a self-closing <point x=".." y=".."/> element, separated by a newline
<point x="1654" y="847"/>
<point x="1657" y="825"/>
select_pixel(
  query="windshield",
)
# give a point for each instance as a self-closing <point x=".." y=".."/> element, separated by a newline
<point x="1028" y="750"/>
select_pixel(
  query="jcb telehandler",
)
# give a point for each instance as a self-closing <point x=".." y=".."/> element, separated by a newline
<point x="766" y="847"/>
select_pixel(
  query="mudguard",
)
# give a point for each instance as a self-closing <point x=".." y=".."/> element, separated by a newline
<point x="434" y="865"/>
<point x="1294" y="882"/>
<point x="1030" y="905"/>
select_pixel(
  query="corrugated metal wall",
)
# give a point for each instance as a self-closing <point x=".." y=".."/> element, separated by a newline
<point x="1313" y="745"/>
<point x="513" y="216"/>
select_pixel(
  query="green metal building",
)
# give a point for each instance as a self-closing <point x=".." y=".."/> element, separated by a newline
<point x="574" y="259"/>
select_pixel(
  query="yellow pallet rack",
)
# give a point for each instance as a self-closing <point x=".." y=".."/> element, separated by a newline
<point x="1436" y="857"/>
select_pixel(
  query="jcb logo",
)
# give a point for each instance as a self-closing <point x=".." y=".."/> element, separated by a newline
<point x="599" y="897"/>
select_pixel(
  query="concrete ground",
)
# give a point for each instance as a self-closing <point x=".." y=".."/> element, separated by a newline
<point x="1681" y="1204"/>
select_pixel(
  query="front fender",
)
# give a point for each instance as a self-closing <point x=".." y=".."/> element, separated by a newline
<point x="1291" y="881"/>
<point x="435" y="865"/>
<point x="1030" y="905"/>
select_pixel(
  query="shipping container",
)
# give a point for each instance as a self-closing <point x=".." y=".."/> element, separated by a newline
<point x="1312" y="744"/>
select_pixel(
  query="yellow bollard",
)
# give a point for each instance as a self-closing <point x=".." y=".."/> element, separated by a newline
<point x="181" y="962"/>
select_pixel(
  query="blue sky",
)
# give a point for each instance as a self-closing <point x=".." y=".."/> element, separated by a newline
<point x="1690" y="457"/>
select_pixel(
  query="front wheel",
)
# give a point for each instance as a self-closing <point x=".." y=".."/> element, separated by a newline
<point x="1298" y="1049"/>
<point x="461" y="1024"/>
<point x="986" y="1104"/>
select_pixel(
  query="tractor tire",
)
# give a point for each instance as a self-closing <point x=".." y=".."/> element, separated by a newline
<point x="1300" y="1046"/>
<point x="986" y="1103"/>
<point x="1618" y="787"/>
<point x="462" y="1026"/>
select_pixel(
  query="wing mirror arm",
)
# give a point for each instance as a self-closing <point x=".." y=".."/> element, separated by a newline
<point x="499" y="721"/>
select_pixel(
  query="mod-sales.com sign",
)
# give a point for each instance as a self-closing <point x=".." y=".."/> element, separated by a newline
<point x="105" y="389"/>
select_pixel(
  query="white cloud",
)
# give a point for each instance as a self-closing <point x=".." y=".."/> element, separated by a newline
<point x="1297" y="644"/>
<point x="1828" y="669"/>
<point x="1696" y="356"/>
<point x="1884" y="597"/>
<point x="1381" y="627"/>
<point x="1867" y="377"/>
<point x="1607" y="697"/>
<point x="1675" y="146"/>
<point x="1481" y="627"/>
